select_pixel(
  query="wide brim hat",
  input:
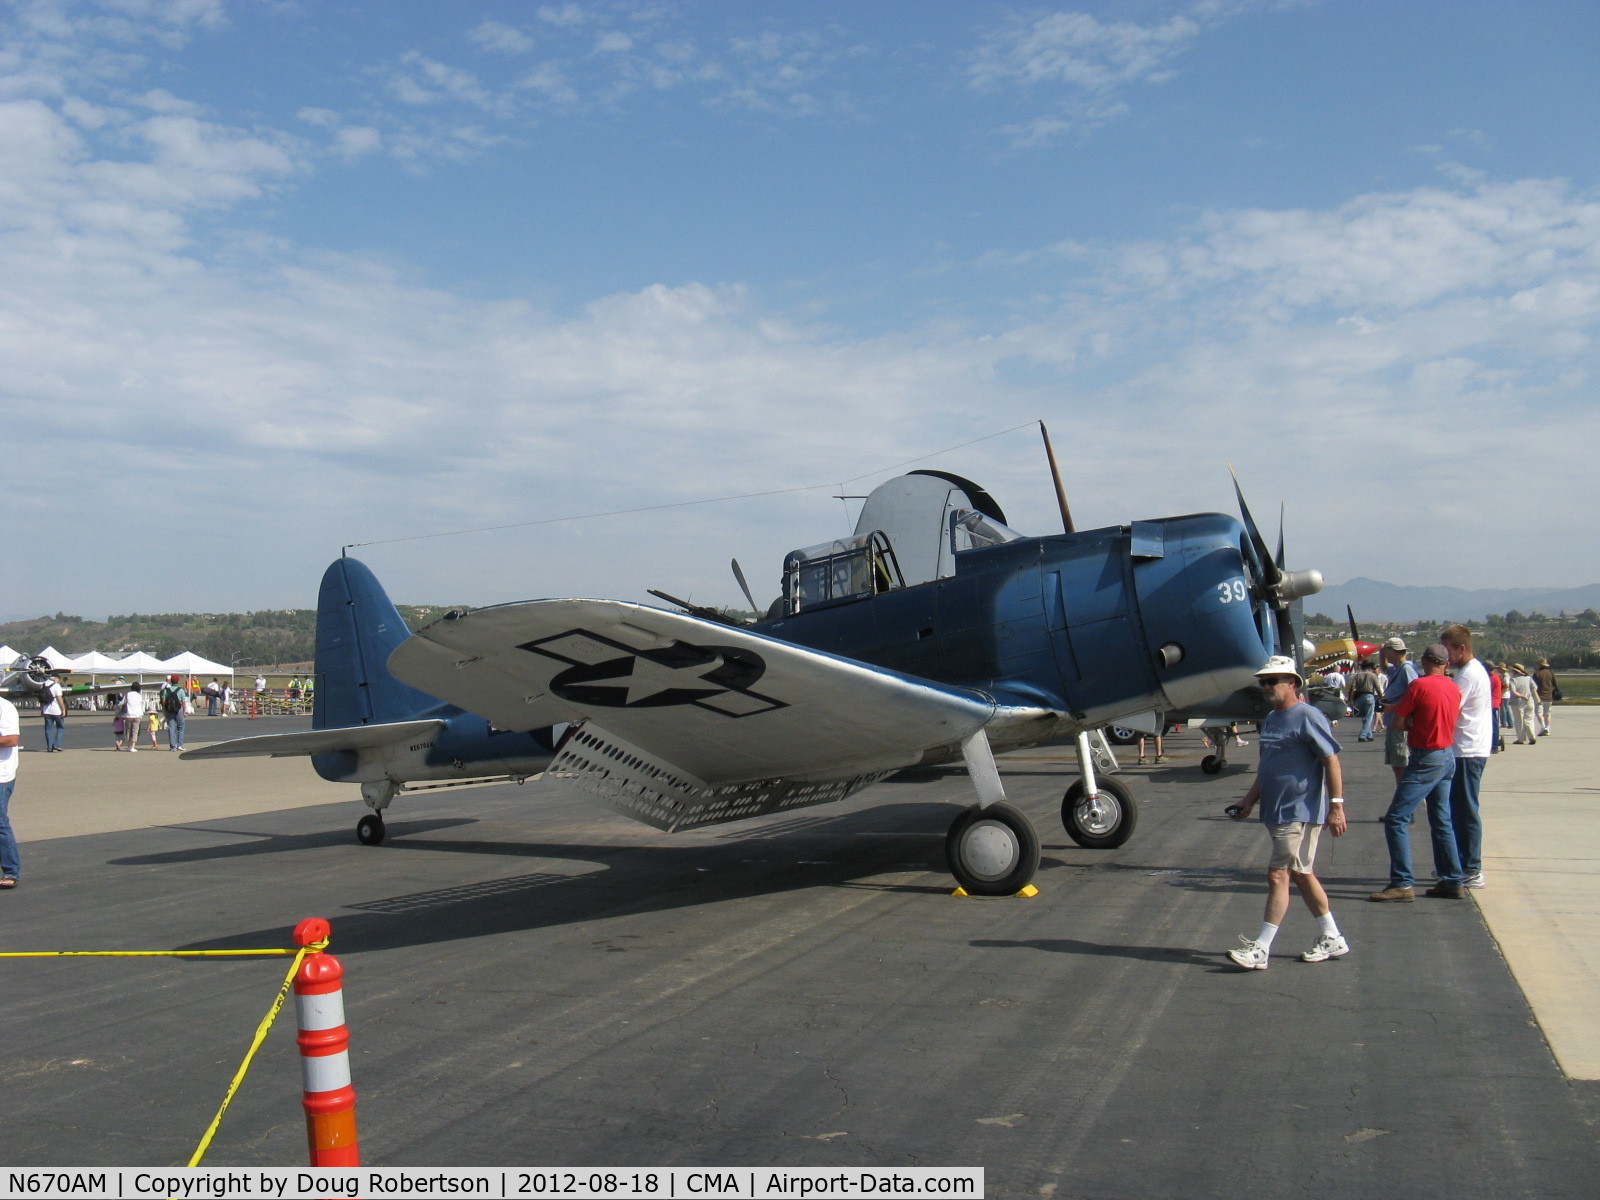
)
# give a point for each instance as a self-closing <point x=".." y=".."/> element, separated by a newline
<point x="1280" y="664"/>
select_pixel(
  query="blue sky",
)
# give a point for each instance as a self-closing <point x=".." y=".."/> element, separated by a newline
<point x="278" y="277"/>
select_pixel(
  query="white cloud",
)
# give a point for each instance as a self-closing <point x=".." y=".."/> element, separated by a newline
<point x="1081" y="66"/>
<point x="1425" y="337"/>
<point x="1076" y="49"/>
<point x="498" y="36"/>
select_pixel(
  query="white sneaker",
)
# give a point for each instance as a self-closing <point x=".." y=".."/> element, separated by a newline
<point x="1327" y="947"/>
<point x="1473" y="881"/>
<point x="1250" y="955"/>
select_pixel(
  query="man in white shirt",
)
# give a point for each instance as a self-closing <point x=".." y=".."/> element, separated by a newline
<point x="53" y="706"/>
<point x="1474" y="737"/>
<point x="10" y="739"/>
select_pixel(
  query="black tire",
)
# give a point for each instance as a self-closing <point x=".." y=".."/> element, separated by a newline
<point x="1211" y="764"/>
<point x="992" y="851"/>
<point x="1101" y="826"/>
<point x="370" y="830"/>
<point x="1121" y="735"/>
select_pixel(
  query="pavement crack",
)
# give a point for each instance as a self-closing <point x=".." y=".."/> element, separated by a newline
<point x="827" y="1073"/>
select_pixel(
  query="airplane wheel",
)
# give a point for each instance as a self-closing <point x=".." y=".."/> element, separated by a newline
<point x="370" y="830"/>
<point x="992" y="851"/>
<point x="1211" y="764"/>
<point x="1099" y="822"/>
<point x="1119" y="735"/>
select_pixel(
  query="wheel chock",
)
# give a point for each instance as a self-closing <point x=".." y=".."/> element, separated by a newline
<point x="1028" y="892"/>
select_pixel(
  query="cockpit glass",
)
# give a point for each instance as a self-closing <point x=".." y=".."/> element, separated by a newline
<point x="838" y="570"/>
<point x="972" y="530"/>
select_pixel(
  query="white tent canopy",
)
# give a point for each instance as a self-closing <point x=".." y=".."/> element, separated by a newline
<point x="137" y="663"/>
<point x="190" y="663"/>
<point x="94" y="663"/>
<point x="8" y="656"/>
<point x="57" y="660"/>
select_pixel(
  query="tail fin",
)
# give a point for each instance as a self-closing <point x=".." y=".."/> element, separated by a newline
<point x="357" y="629"/>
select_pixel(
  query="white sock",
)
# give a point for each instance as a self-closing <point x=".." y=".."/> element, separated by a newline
<point x="1325" y="923"/>
<point x="1268" y="932"/>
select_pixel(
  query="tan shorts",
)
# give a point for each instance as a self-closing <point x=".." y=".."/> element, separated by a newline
<point x="1396" y="751"/>
<point x="1294" y="847"/>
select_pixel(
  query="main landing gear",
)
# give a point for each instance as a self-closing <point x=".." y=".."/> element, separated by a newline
<point x="370" y="829"/>
<point x="992" y="848"/>
<point x="1097" y="811"/>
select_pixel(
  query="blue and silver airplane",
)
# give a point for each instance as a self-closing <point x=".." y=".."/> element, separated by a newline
<point x="935" y="634"/>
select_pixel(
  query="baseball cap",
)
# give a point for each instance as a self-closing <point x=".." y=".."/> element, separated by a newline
<point x="1395" y="643"/>
<point x="1436" y="653"/>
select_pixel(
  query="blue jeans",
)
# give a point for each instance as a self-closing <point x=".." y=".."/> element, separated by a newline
<point x="1427" y="777"/>
<point x="54" y="727"/>
<point x="175" y="730"/>
<point x="1366" y="706"/>
<point x="1464" y="814"/>
<point x="10" y="864"/>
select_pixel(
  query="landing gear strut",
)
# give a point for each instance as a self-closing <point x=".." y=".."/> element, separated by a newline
<point x="370" y="829"/>
<point x="992" y="848"/>
<point x="1218" y="737"/>
<point x="1098" y="813"/>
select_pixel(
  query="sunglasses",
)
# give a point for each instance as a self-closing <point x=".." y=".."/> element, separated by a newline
<point x="1275" y="680"/>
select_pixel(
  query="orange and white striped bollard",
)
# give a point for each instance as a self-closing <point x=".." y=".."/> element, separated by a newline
<point x="329" y="1100"/>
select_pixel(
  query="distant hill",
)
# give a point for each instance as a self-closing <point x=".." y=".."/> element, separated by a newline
<point x="1374" y="600"/>
<point x="269" y="638"/>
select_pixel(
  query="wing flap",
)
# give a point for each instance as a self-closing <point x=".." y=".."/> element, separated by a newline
<point x="318" y="741"/>
<point x="725" y="705"/>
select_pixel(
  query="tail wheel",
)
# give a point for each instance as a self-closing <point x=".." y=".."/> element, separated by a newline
<point x="370" y="830"/>
<point x="992" y="851"/>
<point x="1102" y="821"/>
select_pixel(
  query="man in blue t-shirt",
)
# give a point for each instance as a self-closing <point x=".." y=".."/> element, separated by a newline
<point x="1398" y="675"/>
<point x="1300" y="789"/>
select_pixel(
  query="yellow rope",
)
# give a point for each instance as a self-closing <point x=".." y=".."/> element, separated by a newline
<point x="261" y="1030"/>
<point x="261" y="1036"/>
<point x="142" y="953"/>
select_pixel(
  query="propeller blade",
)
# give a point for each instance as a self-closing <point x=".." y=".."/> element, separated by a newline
<point x="1279" y="559"/>
<point x="1270" y="572"/>
<point x="738" y="574"/>
<point x="1355" y="634"/>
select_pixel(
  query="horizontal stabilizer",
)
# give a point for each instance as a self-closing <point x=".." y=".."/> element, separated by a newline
<point x="319" y="741"/>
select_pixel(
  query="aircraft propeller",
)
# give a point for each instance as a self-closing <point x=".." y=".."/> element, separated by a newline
<point x="738" y="573"/>
<point x="1274" y="586"/>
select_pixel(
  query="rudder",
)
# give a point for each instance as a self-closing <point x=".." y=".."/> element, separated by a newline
<point x="358" y="627"/>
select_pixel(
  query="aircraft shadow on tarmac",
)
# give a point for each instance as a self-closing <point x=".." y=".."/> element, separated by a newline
<point x="850" y="851"/>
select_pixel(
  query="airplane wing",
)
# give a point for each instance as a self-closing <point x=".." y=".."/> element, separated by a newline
<point x="318" y="741"/>
<point x="687" y="721"/>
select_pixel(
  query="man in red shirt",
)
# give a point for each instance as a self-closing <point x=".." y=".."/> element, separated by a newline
<point x="1428" y="713"/>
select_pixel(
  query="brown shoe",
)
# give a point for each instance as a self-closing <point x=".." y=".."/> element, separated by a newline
<point x="1404" y="895"/>
<point x="1446" y="891"/>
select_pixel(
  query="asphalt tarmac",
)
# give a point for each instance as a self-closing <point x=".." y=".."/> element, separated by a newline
<point x="532" y="980"/>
